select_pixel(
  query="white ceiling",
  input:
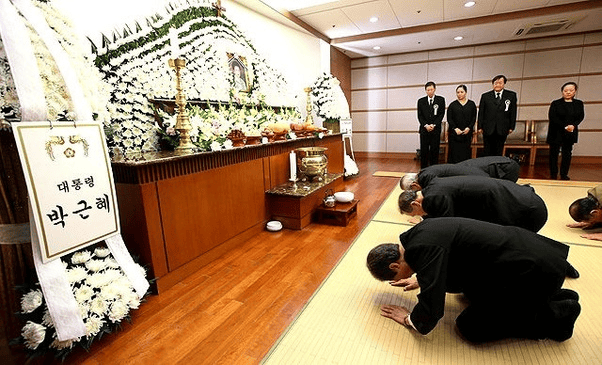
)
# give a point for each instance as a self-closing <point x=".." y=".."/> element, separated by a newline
<point x="415" y="25"/>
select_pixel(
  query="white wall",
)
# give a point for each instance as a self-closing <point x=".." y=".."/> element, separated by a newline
<point x="296" y="53"/>
<point x="385" y="89"/>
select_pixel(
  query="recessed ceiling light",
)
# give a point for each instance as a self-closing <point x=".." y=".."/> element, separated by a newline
<point x="376" y="48"/>
<point x="374" y="19"/>
<point x="469" y="4"/>
<point x="458" y="38"/>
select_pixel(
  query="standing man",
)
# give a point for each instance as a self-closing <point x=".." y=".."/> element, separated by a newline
<point x="497" y="116"/>
<point x="431" y="109"/>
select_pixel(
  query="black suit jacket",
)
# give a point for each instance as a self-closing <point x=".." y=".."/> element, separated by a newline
<point x="426" y="113"/>
<point x="497" y="117"/>
<point x="480" y="197"/>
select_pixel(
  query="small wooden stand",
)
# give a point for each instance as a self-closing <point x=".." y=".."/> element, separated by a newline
<point x="339" y="215"/>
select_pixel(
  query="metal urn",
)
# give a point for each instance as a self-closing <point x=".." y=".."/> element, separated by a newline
<point x="312" y="163"/>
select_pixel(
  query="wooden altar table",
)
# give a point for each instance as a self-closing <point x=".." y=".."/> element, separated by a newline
<point x="294" y="204"/>
<point x="180" y="211"/>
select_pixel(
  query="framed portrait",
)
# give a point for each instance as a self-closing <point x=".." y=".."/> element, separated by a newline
<point x="239" y="70"/>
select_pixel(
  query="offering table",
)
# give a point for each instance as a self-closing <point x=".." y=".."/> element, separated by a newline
<point x="181" y="210"/>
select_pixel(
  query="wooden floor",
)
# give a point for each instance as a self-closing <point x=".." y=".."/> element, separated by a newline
<point x="233" y="310"/>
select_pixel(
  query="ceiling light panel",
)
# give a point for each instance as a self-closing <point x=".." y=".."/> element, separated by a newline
<point x="418" y="12"/>
<point x="323" y="22"/>
<point x="360" y="15"/>
<point x="455" y="9"/>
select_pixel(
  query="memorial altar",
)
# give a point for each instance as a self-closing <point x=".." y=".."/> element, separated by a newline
<point x="181" y="210"/>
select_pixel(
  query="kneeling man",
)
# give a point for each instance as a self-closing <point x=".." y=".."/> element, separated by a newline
<point x="498" y="167"/>
<point x="483" y="198"/>
<point x="510" y="276"/>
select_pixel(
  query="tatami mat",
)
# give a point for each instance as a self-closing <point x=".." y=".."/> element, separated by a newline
<point x="341" y="324"/>
<point x="556" y="194"/>
<point x="388" y="174"/>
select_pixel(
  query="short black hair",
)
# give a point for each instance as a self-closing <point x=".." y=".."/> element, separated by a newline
<point x="580" y="209"/>
<point x="405" y="200"/>
<point x="430" y="83"/>
<point x="463" y="87"/>
<point x="567" y="84"/>
<point x="499" y="77"/>
<point x="379" y="259"/>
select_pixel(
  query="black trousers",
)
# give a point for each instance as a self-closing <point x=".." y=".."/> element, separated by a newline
<point x="493" y="144"/>
<point x="526" y="313"/>
<point x="429" y="148"/>
<point x="565" y="163"/>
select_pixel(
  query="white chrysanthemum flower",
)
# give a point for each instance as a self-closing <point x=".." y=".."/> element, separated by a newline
<point x="76" y="274"/>
<point x="84" y="309"/>
<point x="102" y="252"/>
<point x="215" y="146"/>
<point x="93" y="325"/>
<point x="96" y="265"/>
<point x="61" y="345"/>
<point x="47" y="319"/>
<point x="83" y="293"/>
<point x="98" y="280"/>
<point x="31" y="301"/>
<point x="118" y="311"/>
<point x="33" y="334"/>
<point x="110" y="292"/>
<point x="111" y="263"/>
<point x="98" y="306"/>
<point x="80" y="257"/>
<point x="132" y="300"/>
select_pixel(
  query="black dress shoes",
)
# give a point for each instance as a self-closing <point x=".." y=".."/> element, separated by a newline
<point x="571" y="272"/>
<point x="561" y="326"/>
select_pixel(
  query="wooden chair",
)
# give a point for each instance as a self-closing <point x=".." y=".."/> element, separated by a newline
<point x="444" y="142"/>
<point x="539" y="133"/>
<point x="520" y="138"/>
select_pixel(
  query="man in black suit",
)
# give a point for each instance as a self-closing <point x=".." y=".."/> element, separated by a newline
<point x="498" y="167"/>
<point x="431" y="109"/>
<point x="512" y="279"/>
<point x="478" y="197"/>
<point x="497" y="116"/>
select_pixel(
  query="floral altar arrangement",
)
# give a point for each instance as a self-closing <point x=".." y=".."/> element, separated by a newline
<point x="104" y="294"/>
<point x="331" y="104"/>
<point x="135" y="65"/>
<point x="130" y="68"/>
<point x="211" y="125"/>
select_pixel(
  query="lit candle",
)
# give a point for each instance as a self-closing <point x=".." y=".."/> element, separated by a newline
<point x="173" y="42"/>
<point x="293" y="159"/>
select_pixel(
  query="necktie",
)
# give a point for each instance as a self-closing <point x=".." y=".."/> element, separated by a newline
<point x="498" y="95"/>
<point x="430" y="102"/>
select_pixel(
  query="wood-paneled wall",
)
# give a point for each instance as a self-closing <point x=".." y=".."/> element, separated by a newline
<point x="385" y="89"/>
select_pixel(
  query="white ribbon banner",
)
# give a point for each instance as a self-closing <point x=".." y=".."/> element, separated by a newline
<point x="36" y="19"/>
<point x="61" y="303"/>
<point x="23" y="64"/>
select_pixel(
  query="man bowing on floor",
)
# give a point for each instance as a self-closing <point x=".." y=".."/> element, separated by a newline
<point x="509" y="275"/>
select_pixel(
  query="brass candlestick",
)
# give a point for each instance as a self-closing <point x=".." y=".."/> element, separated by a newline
<point x="308" y="119"/>
<point x="182" y="122"/>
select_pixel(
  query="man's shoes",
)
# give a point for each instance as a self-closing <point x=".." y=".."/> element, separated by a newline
<point x="563" y="294"/>
<point x="561" y="326"/>
<point x="565" y="178"/>
<point x="571" y="272"/>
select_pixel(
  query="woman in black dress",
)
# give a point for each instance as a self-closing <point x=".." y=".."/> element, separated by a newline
<point x="564" y="115"/>
<point x="461" y="117"/>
